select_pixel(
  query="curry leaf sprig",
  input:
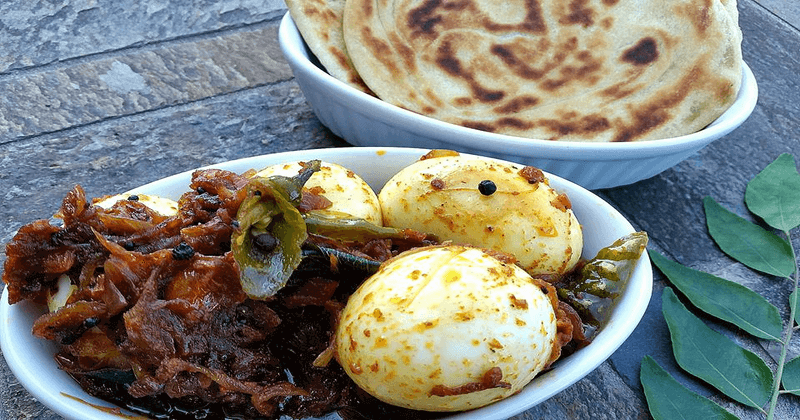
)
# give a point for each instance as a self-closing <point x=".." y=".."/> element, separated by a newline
<point x="773" y="196"/>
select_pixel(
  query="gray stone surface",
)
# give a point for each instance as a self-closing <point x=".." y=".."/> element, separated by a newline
<point x="136" y="81"/>
<point x="786" y="10"/>
<point x="111" y="95"/>
<point x="36" y="33"/>
<point x="601" y="395"/>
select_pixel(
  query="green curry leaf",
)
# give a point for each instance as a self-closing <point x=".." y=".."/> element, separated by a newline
<point x="791" y="377"/>
<point x="668" y="399"/>
<point x="774" y="194"/>
<point x="748" y="243"/>
<point x="714" y="358"/>
<point x="723" y="299"/>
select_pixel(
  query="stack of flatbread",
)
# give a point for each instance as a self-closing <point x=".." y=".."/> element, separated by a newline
<point x="577" y="70"/>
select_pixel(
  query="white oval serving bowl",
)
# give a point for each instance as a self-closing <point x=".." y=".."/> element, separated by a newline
<point x="363" y="120"/>
<point x="31" y="359"/>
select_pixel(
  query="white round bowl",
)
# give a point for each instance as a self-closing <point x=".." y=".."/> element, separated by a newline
<point x="31" y="359"/>
<point x="363" y="120"/>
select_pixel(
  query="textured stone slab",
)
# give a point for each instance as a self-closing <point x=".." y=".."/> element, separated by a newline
<point x="114" y="156"/>
<point x="35" y="33"/>
<point x="787" y="10"/>
<point x="139" y="81"/>
<point x="17" y="403"/>
<point x="600" y="395"/>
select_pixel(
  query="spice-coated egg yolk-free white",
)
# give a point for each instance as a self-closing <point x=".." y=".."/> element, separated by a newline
<point x="440" y="318"/>
<point x="514" y="211"/>
<point x="349" y="194"/>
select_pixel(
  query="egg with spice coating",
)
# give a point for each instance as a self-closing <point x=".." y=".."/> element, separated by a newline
<point x="348" y="193"/>
<point x="489" y="204"/>
<point x="446" y="328"/>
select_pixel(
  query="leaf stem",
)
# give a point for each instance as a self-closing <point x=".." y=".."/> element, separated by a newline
<point x="788" y="334"/>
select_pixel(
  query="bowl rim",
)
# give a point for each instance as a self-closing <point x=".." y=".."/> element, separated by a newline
<point x="628" y="312"/>
<point x="297" y="52"/>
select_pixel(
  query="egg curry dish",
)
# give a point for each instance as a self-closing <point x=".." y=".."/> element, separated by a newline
<point x="296" y="291"/>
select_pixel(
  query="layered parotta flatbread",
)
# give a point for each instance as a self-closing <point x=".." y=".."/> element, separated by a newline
<point x="320" y="23"/>
<point x="583" y="70"/>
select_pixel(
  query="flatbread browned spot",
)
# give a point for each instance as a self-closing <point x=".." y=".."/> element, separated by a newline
<point x="580" y="70"/>
<point x="643" y="53"/>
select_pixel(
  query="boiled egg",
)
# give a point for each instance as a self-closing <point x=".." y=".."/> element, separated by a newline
<point x="445" y="328"/>
<point x="161" y="205"/>
<point x="485" y="203"/>
<point x="349" y="194"/>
